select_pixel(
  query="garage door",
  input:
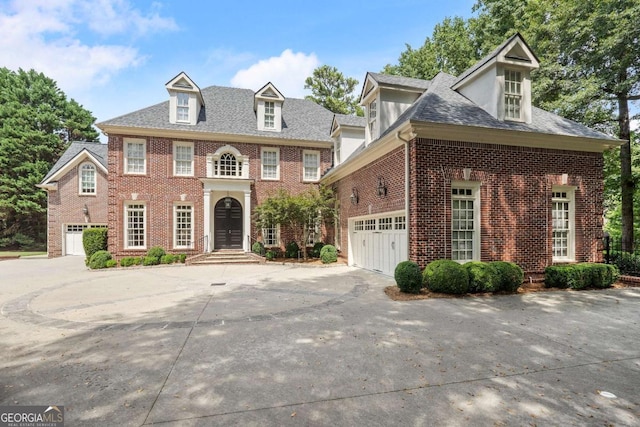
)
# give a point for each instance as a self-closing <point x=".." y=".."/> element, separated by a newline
<point x="378" y="243"/>
<point x="73" y="238"/>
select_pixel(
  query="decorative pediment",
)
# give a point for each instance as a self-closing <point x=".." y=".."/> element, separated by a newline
<point x="183" y="83"/>
<point x="369" y="86"/>
<point x="518" y="53"/>
<point x="268" y="92"/>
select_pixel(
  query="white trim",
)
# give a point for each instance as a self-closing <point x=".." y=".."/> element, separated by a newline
<point x="571" y="232"/>
<point x="144" y="224"/>
<point x="125" y="145"/>
<point x="317" y="154"/>
<point x="83" y="155"/>
<point x="474" y="186"/>
<point x="183" y="144"/>
<point x="271" y="150"/>
<point x="175" y="225"/>
<point x="80" y="181"/>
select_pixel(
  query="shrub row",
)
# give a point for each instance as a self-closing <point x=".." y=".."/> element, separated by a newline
<point x="580" y="276"/>
<point x="155" y="256"/>
<point x="292" y="250"/>
<point x="450" y="277"/>
<point x="627" y="263"/>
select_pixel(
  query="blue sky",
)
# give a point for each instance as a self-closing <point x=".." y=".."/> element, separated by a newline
<point x="115" y="56"/>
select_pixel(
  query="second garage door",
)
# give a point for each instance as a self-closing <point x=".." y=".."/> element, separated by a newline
<point x="378" y="242"/>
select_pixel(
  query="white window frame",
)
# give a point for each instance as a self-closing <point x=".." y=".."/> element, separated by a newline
<point x="127" y="158"/>
<point x="270" y="242"/>
<point x="372" y="112"/>
<point x="470" y="193"/>
<point x="263" y="163"/>
<point x="338" y="149"/>
<point x="90" y="184"/>
<point x="563" y="226"/>
<point x="269" y="115"/>
<point x="179" y="164"/>
<point x="314" y="231"/>
<point x="306" y="168"/>
<point x="182" y="107"/>
<point x="135" y="206"/>
<point x="179" y="208"/>
<point x="513" y="96"/>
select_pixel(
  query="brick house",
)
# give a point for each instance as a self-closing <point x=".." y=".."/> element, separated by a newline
<point x="456" y="167"/>
<point x="76" y="197"/>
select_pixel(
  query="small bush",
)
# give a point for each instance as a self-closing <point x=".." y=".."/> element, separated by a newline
<point x="99" y="260"/>
<point x="447" y="277"/>
<point x="483" y="277"/>
<point x="150" y="260"/>
<point x="408" y="277"/>
<point x="168" y="259"/>
<point x="129" y="261"/>
<point x="315" y="252"/>
<point x="291" y="250"/>
<point x="510" y="275"/>
<point x="328" y="254"/>
<point x="157" y="252"/>
<point x="94" y="240"/>
<point x="603" y="275"/>
<point x="257" y="248"/>
<point x="270" y="255"/>
<point x="182" y="258"/>
<point x="580" y="276"/>
<point x="111" y="263"/>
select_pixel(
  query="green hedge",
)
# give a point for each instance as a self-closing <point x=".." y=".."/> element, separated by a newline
<point x="328" y="254"/>
<point x="483" y="276"/>
<point x="94" y="240"/>
<point x="408" y="277"/>
<point x="257" y="248"/>
<point x="580" y="276"/>
<point x="129" y="261"/>
<point x="627" y="263"/>
<point x="99" y="259"/>
<point x="446" y="276"/>
<point x="510" y="275"/>
<point x="291" y="250"/>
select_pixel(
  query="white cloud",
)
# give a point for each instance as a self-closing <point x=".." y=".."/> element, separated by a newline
<point x="287" y="72"/>
<point x="42" y="34"/>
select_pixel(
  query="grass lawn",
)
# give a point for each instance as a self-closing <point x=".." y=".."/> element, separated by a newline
<point x="13" y="254"/>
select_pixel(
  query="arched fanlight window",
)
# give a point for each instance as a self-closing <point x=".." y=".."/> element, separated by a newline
<point x="87" y="179"/>
<point x="228" y="165"/>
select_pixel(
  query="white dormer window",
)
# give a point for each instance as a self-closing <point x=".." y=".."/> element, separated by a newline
<point x="269" y="115"/>
<point x="182" y="112"/>
<point x="373" y="113"/>
<point x="512" y="94"/>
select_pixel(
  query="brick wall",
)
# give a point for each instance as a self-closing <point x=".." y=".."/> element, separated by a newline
<point x="515" y="200"/>
<point x="159" y="189"/>
<point x="65" y="206"/>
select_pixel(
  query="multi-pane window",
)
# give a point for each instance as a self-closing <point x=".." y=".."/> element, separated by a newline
<point x="400" y="223"/>
<point x="228" y="165"/>
<point x="385" y="223"/>
<point x="183" y="232"/>
<point x="182" y="113"/>
<point x="373" y="113"/>
<point x="135" y="157"/>
<point x="359" y="225"/>
<point x="135" y="225"/>
<point x="464" y="224"/>
<point x="183" y="159"/>
<point x="512" y="94"/>
<point x="369" y="224"/>
<point x="562" y="224"/>
<point x="338" y="149"/>
<point x="271" y="235"/>
<point x="269" y="115"/>
<point x="270" y="160"/>
<point x="87" y="178"/>
<point x="313" y="227"/>
<point x="311" y="165"/>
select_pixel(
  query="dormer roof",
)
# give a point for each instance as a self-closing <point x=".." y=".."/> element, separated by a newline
<point x="377" y="80"/>
<point x="514" y="51"/>
<point x="77" y="153"/>
<point x="183" y="83"/>
<point x="347" y="121"/>
<point x="268" y="92"/>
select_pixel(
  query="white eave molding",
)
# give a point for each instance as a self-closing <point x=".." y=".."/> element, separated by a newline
<point x="267" y="92"/>
<point x="183" y="83"/>
<point x="81" y="157"/>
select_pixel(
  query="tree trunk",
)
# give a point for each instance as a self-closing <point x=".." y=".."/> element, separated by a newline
<point x="626" y="177"/>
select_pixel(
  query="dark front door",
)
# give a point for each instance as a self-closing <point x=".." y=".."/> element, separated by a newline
<point x="228" y="224"/>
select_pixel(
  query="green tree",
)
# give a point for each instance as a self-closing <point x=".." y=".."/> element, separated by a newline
<point x="296" y="211"/>
<point x="37" y="122"/>
<point x="335" y="92"/>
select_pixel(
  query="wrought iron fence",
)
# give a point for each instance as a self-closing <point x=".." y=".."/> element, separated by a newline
<point x="628" y="262"/>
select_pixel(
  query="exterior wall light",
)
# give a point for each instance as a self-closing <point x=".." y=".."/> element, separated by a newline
<point x="382" y="187"/>
<point x="227" y="202"/>
<point x="354" y="196"/>
<point x="85" y="210"/>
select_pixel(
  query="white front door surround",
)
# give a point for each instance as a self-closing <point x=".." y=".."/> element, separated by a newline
<point x="216" y="189"/>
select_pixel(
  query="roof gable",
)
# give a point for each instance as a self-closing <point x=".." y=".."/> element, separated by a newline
<point x="267" y="92"/>
<point x="183" y="83"/>
<point x="78" y="152"/>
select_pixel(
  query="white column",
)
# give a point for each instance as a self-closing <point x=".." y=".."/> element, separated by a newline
<point x="247" y="221"/>
<point x="207" y="218"/>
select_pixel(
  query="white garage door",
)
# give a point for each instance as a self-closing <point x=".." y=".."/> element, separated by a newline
<point x="73" y="239"/>
<point x="378" y="242"/>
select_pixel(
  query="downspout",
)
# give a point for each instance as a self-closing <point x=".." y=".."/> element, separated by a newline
<point x="444" y="214"/>
<point x="407" y="175"/>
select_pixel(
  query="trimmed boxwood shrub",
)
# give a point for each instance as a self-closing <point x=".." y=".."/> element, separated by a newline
<point x="315" y="252"/>
<point x="446" y="276"/>
<point x="510" y="275"/>
<point x="111" y="263"/>
<point x="257" y="248"/>
<point x="99" y="259"/>
<point x="603" y="275"/>
<point x="157" y="252"/>
<point x="291" y="250"/>
<point x="182" y="258"/>
<point x="129" y="261"/>
<point x="483" y="277"/>
<point x="168" y="259"/>
<point x="580" y="276"/>
<point x="408" y="277"/>
<point x="150" y="260"/>
<point x="270" y="255"/>
<point x="328" y="254"/>
<point x="94" y="240"/>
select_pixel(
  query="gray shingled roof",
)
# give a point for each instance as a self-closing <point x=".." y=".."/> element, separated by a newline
<point x="99" y="151"/>
<point x="351" y="120"/>
<point x="441" y="104"/>
<point x="230" y="111"/>
<point x="408" y="82"/>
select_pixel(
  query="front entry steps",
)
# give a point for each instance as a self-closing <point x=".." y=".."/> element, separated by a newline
<point x="225" y="256"/>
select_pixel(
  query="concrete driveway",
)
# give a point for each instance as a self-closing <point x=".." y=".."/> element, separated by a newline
<point x="285" y="345"/>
